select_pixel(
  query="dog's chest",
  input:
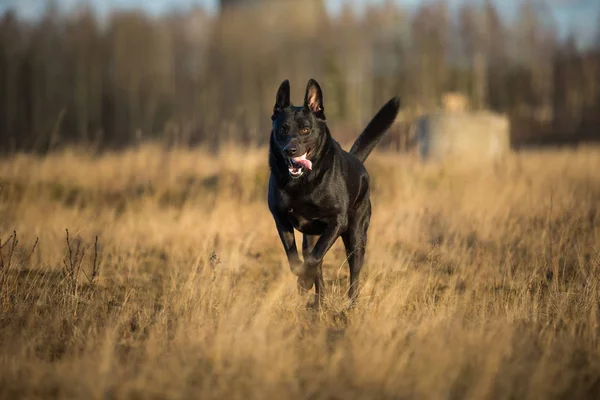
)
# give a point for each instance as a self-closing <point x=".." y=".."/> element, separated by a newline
<point x="306" y="224"/>
<point x="307" y="218"/>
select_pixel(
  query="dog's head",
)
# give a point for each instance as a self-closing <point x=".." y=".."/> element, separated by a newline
<point x="298" y="131"/>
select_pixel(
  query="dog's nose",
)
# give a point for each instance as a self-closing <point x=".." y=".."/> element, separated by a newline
<point x="291" y="151"/>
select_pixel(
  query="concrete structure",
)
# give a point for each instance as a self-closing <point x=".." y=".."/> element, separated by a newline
<point x="455" y="102"/>
<point x="476" y="136"/>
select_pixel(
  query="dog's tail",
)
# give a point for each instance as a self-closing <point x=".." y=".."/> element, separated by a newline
<point x="372" y="134"/>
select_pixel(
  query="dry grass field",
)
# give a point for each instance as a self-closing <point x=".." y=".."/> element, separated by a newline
<point x="479" y="282"/>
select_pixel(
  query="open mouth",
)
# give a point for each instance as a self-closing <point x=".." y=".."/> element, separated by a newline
<point x="296" y="165"/>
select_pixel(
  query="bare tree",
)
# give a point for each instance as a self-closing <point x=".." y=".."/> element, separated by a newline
<point x="195" y="78"/>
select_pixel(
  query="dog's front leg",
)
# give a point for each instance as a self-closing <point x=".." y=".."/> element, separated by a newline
<point x="334" y="229"/>
<point x="286" y="234"/>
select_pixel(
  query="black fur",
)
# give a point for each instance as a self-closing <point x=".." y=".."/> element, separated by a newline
<point x="329" y="201"/>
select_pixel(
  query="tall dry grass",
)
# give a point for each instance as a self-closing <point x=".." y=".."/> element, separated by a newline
<point x="479" y="282"/>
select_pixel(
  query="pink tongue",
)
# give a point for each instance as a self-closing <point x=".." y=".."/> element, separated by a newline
<point x="304" y="162"/>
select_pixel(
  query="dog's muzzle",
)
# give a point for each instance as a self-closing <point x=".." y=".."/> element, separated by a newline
<point x="296" y="165"/>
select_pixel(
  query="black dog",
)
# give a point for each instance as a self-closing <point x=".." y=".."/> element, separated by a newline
<point x="318" y="188"/>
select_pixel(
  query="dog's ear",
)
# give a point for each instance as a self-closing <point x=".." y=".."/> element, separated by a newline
<point x="283" y="98"/>
<point x="313" y="99"/>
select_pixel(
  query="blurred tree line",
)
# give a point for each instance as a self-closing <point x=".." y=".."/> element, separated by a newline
<point x="197" y="78"/>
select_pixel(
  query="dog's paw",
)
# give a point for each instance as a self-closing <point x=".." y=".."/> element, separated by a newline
<point x="305" y="282"/>
<point x="298" y="268"/>
<point x="311" y="264"/>
<point x="313" y="305"/>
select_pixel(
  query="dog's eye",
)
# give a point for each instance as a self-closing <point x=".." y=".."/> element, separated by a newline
<point x="304" y="131"/>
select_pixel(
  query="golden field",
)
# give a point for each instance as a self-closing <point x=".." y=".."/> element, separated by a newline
<point x="479" y="282"/>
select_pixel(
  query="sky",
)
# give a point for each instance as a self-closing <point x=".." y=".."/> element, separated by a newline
<point x="580" y="16"/>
